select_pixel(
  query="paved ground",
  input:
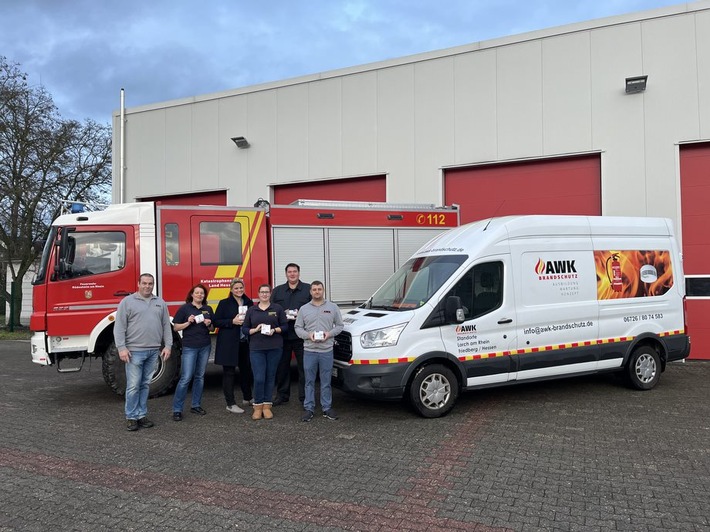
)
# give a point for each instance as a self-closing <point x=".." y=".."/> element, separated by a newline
<point x="579" y="454"/>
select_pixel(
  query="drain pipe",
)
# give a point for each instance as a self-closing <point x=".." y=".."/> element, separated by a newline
<point x="122" y="153"/>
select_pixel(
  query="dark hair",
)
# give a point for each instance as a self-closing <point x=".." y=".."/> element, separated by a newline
<point x="317" y="283"/>
<point x="292" y="265"/>
<point x="265" y="285"/>
<point x="188" y="299"/>
<point x="146" y="275"/>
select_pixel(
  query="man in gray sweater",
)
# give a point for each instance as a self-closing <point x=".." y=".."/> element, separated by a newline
<point x="142" y="326"/>
<point x="318" y="323"/>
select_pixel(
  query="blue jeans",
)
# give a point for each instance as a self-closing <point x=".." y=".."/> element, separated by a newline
<point x="318" y="363"/>
<point x="139" y="371"/>
<point x="193" y="365"/>
<point x="263" y="365"/>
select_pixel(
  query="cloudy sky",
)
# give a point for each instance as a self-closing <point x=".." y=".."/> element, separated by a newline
<point x="84" y="51"/>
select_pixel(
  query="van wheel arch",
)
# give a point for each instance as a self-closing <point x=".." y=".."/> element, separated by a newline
<point x="654" y="342"/>
<point x="433" y="387"/>
<point x="644" y="365"/>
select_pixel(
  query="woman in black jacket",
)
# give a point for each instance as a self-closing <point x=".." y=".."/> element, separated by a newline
<point x="232" y="348"/>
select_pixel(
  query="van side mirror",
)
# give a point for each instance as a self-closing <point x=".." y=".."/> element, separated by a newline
<point x="453" y="312"/>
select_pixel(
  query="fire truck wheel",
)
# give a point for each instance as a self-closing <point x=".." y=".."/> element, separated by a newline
<point x="113" y="370"/>
<point x="644" y="368"/>
<point x="164" y="379"/>
<point x="433" y="391"/>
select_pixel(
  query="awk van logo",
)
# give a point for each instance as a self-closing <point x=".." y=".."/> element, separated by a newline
<point x="463" y="329"/>
<point x="555" y="269"/>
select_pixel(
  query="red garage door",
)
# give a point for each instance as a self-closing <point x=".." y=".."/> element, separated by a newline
<point x="371" y="188"/>
<point x="695" y="209"/>
<point x="215" y="197"/>
<point x="570" y="185"/>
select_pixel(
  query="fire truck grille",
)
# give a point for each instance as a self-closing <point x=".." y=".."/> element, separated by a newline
<point x="343" y="349"/>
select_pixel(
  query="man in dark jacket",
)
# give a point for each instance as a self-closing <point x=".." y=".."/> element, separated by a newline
<point x="291" y="295"/>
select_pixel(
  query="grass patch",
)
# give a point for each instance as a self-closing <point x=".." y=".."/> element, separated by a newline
<point x="20" y="333"/>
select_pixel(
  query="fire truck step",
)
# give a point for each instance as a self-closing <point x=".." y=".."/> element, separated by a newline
<point x="73" y="369"/>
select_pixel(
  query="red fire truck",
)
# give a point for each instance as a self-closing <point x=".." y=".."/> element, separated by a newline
<point x="93" y="259"/>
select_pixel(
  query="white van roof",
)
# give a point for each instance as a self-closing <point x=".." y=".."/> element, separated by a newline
<point x="507" y="227"/>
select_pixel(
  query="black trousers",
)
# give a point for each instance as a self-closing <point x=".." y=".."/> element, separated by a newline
<point x="283" y="373"/>
<point x="246" y="378"/>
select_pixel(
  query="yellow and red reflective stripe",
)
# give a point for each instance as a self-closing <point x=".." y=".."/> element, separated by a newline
<point x="479" y="356"/>
<point x="369" y="362"/>
<point x="254" y="222"/>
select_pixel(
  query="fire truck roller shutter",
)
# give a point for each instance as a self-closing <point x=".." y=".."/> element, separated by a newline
<point x="360" y="261"/>
<point x="304" y="246"/>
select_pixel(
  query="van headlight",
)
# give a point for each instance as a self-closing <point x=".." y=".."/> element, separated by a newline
<point x="382" y="337"/>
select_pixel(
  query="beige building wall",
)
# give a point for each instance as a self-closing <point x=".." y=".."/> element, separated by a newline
<point x="542" y="94"/>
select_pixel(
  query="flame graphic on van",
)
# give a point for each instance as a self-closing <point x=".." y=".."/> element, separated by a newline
<point x="644" y="273"/>
<point x="540" y="267"/>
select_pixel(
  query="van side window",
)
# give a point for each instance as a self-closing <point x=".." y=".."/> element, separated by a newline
<point x="481" y="289"/>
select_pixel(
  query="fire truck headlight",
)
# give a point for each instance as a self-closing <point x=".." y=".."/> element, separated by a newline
<point x="382" y="337"/>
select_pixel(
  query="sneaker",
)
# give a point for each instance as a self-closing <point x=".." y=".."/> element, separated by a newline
<point x="234" y="409"/>
<point x="131" y="424"/>
<point x="145" y="423"/>
<point x="177" y="416"/>
<point x="307" y="416"/>
<point x="198" y="410"/>
<point x="250" y="402"/>
<point x="330" y="414"/>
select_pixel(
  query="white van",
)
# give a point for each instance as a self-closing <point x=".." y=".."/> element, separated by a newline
<point x="519" y="299"/>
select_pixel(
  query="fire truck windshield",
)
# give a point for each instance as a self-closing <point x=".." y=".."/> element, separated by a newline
<point x="415" y="282"/>
<point x="42" y="271"/>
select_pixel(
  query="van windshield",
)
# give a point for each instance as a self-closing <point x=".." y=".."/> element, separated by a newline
<point x="415" y="282"/>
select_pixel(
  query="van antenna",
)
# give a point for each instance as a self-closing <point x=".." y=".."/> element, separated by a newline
<point x="495" y="213"/>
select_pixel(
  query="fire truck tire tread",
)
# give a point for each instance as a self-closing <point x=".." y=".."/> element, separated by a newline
<point x="113" y="370"/>
<point x="164" y="380"/>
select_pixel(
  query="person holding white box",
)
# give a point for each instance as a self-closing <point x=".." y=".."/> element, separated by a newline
<point x="264" y="324"/>
<point x="318" y="323"/>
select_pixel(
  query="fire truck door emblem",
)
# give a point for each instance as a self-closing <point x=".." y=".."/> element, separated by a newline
<point x="88" y="294"/>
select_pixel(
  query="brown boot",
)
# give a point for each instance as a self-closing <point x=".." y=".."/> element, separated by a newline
<point x="267" y="411"/>
<point x="258" y="412"/>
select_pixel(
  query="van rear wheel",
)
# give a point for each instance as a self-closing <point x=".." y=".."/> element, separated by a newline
<point x="433" y="391"/>
<point x="644" y="368"/>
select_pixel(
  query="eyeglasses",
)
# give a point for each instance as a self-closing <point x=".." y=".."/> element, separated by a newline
<point x="264" y="291"/>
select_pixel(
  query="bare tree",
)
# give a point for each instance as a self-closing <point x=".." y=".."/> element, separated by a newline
<point x="44" y="160"/>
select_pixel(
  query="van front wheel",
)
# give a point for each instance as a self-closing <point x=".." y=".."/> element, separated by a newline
<point x="644" y="368"/>
<point x="434" y="390"/>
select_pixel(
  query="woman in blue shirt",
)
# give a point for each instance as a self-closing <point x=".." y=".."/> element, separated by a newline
<point x="194" y="319"/>
<point x="264" y="324"/>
